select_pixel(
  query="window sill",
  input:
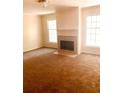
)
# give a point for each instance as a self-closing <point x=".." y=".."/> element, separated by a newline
<point x="95" y="47"/>
<point x="53" y="42"/>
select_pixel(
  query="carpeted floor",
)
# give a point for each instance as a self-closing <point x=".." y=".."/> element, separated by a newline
<point x="45" y="72"/>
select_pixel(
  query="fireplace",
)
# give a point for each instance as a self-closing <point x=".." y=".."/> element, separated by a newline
<point x="67" y="45"/>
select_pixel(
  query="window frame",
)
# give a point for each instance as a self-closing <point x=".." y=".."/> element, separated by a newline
<point x="48" y="29"/>
<point x="91" y="28"/>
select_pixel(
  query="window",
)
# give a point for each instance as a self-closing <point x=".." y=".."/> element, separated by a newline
<point x="52" y="30"/>
<point x="93" y="31"/>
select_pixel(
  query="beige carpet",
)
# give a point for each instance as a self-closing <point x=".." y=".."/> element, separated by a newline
<point x="45" y="72"/>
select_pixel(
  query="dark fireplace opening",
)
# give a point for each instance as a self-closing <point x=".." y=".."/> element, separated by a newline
<point x="67" y="45"/>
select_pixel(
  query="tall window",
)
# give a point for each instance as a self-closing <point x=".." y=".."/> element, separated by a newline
<point x="93" y="31"/>
<point x="52" y="30"/>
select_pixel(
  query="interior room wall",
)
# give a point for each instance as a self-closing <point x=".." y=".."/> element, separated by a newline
<point x="67" y="18"/>
<point x="32" y="32"/>
<point x="79" y="30"/>
<point x="95" y="10"/>
<point x="45" y="41"/>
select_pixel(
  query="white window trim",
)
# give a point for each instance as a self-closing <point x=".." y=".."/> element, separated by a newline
<point x="88" y="45"/>
<point x="51" y="29"/>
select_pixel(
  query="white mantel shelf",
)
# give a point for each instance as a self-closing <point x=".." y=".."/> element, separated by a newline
<point x="67" y="32"/>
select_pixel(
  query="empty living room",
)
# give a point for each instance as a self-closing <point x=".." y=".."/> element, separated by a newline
<point x="61" y="46"/>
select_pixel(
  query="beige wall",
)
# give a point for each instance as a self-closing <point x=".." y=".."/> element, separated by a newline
<point x="86" y="12"/>
<point x="67" y="18"/>
<point x="67" y="21"/>
<point x="32" y="32"/>
<point x="79" y="30"/>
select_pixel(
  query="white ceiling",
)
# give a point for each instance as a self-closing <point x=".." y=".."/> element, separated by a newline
<point x="33" y="7"/>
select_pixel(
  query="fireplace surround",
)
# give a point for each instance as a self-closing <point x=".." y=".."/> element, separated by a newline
<point x="67" y="44"/>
